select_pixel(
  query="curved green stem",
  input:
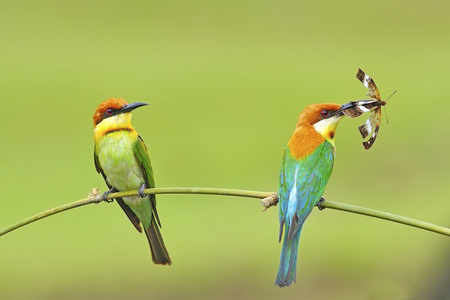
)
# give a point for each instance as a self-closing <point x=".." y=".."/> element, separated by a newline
<point x="48" y="213"/>
<point x="386" y="216"/>
<point x="269" y="199"/>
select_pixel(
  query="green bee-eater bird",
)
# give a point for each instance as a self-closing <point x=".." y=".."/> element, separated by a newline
<point x="121" y="156"/>
<point x="305" y="170"/>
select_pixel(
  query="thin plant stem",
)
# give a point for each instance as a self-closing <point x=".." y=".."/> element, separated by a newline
<point x="386" y="216"/>
<point x="268" y="199"/>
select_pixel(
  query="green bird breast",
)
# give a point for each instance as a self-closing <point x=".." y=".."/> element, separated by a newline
<point x="117" y="159"/>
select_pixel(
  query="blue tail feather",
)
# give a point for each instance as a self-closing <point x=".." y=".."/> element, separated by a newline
<point x="288" y="261"/>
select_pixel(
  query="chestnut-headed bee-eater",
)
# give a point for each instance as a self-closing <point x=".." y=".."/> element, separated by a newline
<point x="121" y="156"/>
<point x="305" y="169"/>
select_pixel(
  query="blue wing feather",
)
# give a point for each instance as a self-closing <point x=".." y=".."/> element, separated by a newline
<point x="302" y="183"/>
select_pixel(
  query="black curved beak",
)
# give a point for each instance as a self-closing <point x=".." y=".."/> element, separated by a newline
<point x="132" y="106"/>
<point x="347" y="106"/>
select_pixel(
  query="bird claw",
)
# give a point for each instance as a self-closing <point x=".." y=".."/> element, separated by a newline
<point x="319" y="204"/>
<point x="105" y="195"/>
<point x="141" y="191"/>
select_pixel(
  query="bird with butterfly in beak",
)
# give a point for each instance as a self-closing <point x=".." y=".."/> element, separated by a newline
<point x="305" y="169"/>
<point x="121" y="156"/>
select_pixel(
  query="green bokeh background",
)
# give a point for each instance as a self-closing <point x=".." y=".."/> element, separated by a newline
<point x="226" y="82"/>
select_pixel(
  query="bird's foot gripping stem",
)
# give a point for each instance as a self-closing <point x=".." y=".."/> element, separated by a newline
<point x="105" y="195"/>
<point x="141" y="191"/>
<point x="319" y="204"/>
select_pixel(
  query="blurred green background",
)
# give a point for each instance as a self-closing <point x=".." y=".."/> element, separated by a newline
<point x="226" y="82"/>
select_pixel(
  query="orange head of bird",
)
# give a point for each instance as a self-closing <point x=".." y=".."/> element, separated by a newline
<point x="113" y="107"/>
<point x="324" y="118"/>
<point x="316" y="123"/>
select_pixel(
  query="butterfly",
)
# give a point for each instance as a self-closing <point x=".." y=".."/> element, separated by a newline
<point x="356" y="108"/>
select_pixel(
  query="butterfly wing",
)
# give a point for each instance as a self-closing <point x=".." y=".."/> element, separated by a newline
<point x="372" y="125"/>
<point x="377" y="117"/>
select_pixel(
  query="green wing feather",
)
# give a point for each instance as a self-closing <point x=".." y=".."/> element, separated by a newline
<point x="160" y="254"/>
<point x="302" y="183"/>
<point x="309" y="176"/>
<point x="141" y="154"/>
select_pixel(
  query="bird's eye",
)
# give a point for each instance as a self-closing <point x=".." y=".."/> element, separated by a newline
<point x="325" y="113"/>
<point x="109" y="111"/>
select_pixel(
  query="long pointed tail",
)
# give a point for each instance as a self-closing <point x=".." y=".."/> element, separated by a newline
<point x="159" y="252"/>
<point x="288" y="261"/>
